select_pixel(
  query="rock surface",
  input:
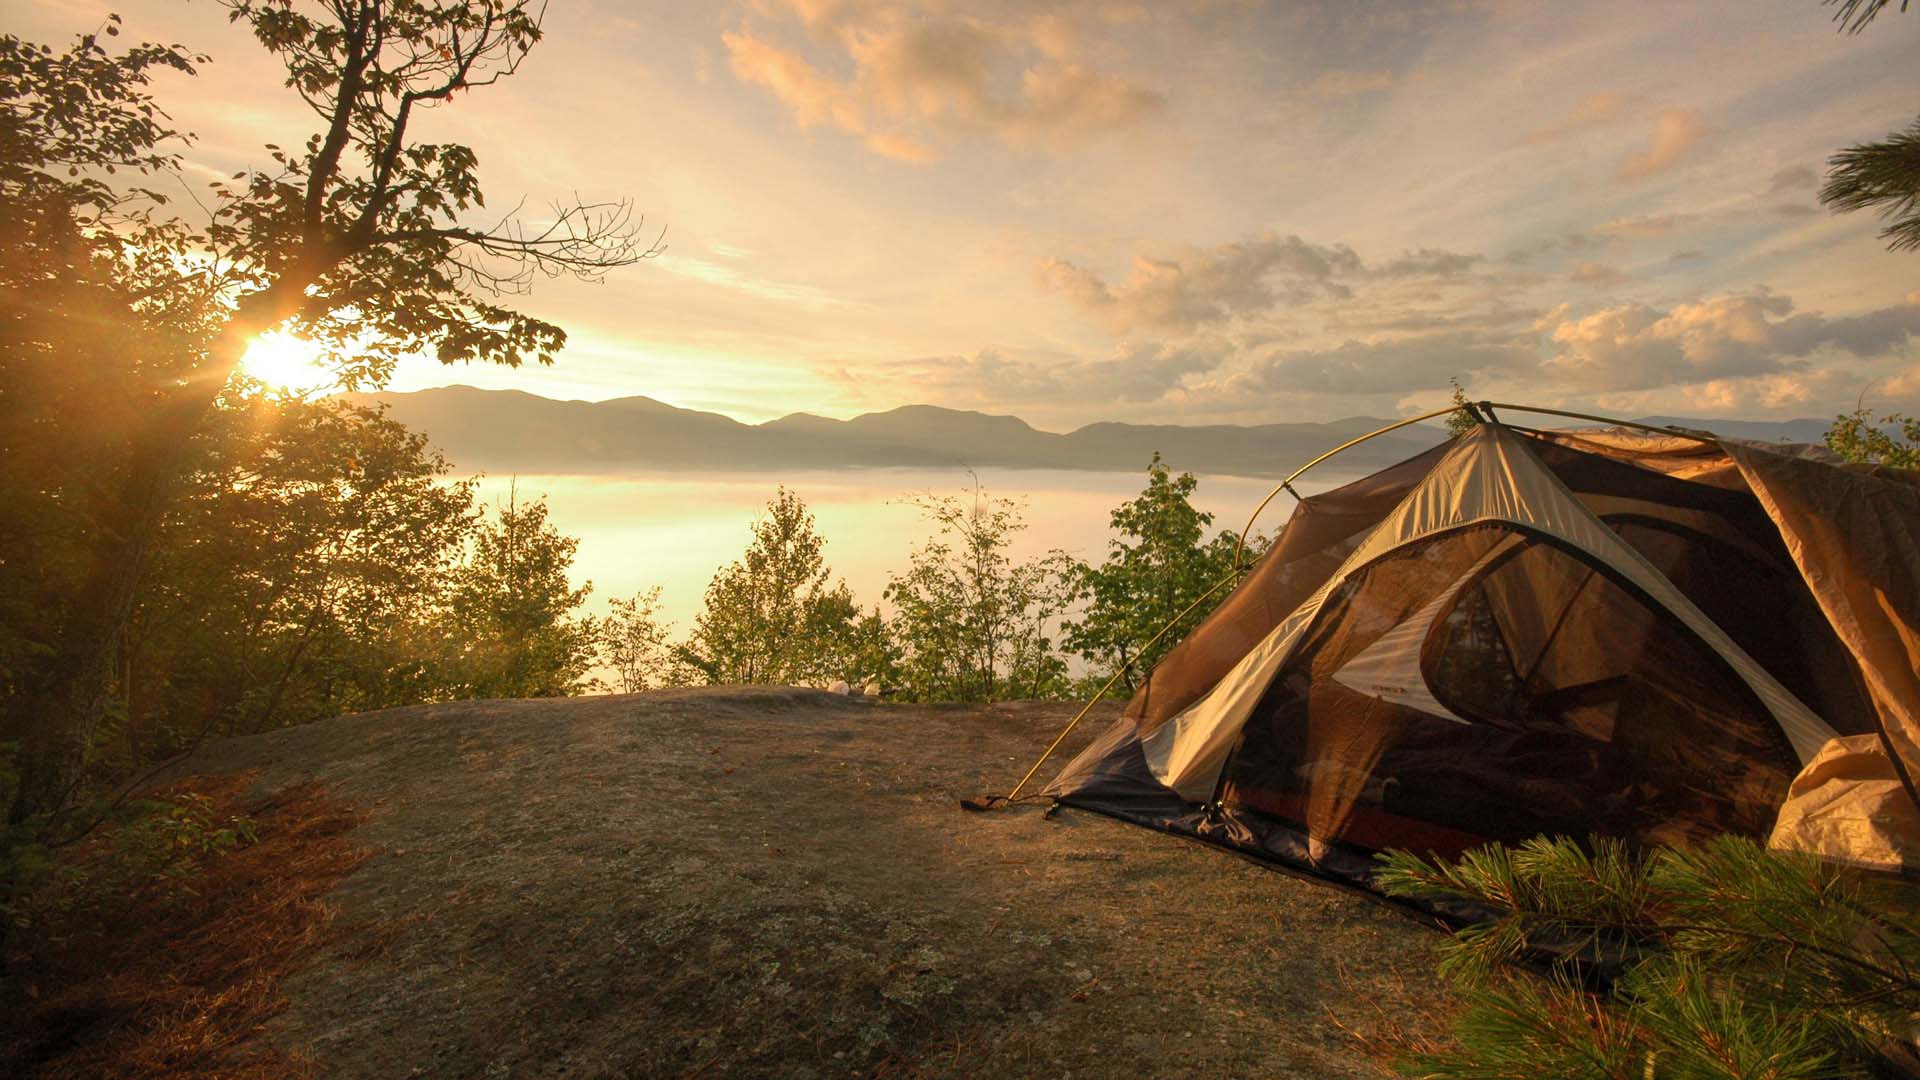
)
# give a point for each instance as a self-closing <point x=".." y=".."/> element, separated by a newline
<point x="776" y="882"/>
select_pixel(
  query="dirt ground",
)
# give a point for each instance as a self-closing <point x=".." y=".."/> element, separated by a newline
<point x="780" y="883"/>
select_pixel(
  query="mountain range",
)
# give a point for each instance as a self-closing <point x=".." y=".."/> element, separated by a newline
<point x="510" y="430"/>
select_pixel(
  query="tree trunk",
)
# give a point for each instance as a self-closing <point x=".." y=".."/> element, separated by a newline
<point x="78" y="689"/>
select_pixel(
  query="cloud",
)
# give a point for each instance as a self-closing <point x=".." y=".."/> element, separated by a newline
<point x="1635" y="346"/>
<point x="1431" y="262"/>
<point x="1077" y="283"/>
<point x="1904" y="386"/>
<point x="1198" y="288"/>
<point x="1593" y="111"/>
<point x="813" y="97"/>
<point x="1546" y="245"/>
<point x="1650" y="225"/>
<point x="1134" y="374"/>
<point x="1791" y="192"/>
<point x="1498" y="315"/>
<point x="1690" y="255"/>
<point x="1793" y="180"/>
<point x="1675" y="134"/>
<point x="738" y="280"/>
<point x="902" y="148"/>
<point x="1343" y="84"/>
<point x="1396" y="364"/>
<point x="919" y="74"/>
<point x="1597" y="274"/>
<point x="1071" y="100"/>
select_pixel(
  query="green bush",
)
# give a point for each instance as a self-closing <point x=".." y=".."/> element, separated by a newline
<point x="1720" y="961"/>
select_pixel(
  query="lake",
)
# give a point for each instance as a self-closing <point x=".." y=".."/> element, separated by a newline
<point x="676" y="530"/>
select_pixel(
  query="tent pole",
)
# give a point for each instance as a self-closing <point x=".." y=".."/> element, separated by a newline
<point x="1123" y="669"/>
<point x="1472" y="408"/>
<point x="1678" y="433"/>
<point x="1240" y="547"/>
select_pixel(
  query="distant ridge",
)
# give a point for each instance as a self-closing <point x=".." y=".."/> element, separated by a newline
<point x="511" y="430"/>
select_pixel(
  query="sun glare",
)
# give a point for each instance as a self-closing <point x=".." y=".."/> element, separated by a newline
<point x="286" y="364"/>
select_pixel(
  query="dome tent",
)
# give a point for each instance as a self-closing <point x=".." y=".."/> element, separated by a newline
<point x="1658" y="638"/>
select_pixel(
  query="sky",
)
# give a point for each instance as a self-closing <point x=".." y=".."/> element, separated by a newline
<point x="1205" y="212"/>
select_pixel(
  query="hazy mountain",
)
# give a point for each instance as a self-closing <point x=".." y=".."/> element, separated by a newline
<point x="1794" y="431"/>
<point x="508" y="430"/>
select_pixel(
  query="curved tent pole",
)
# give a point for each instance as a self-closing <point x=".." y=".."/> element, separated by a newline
<point x="1232" y="576"/>
<point x="1240" y="547"/>
<point x="1678" y="433"/>
<point x="1481" y="411"/>
<point x="1472" y="408"/>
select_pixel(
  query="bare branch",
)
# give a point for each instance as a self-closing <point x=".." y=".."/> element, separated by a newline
<point x="583" y="240"/>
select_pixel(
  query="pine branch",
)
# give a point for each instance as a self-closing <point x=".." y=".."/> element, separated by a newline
<point x="1886" y="175"/>
<point x="1854" y="15"/>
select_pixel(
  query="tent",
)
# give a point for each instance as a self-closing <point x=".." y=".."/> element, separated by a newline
<point x="1653" y="636"/>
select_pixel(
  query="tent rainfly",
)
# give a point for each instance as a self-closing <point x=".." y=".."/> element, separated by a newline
<point x="1652" y="637"/>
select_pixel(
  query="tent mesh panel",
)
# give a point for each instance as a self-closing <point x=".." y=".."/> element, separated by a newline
<point x="1585" y="708"/>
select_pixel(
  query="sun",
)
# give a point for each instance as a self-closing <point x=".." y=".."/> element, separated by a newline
<point x="287" y="364"/>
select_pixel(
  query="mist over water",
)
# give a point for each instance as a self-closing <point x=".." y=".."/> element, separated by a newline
<point x="675" y="530"/>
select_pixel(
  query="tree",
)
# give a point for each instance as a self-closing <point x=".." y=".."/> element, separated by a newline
<point x="1893" y="439"/>
<point x="1156" y="572"/>
<point x="634" y="643"/>
<point x="1724" y="960"/>
<point x="510" y="628"/>
<point x="973" y="624"/>
<point x="1883" y="174"/>
<point x="358" y="241"/>
<point x="870" y="654"/>
<point x="298" y="574"/>
<point x="1463" y="418"/>
<point x="95" y="319"/>
<point x="771" y="616"/>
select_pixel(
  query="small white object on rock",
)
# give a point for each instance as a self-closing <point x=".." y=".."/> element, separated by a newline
<point x="840" y="687"/>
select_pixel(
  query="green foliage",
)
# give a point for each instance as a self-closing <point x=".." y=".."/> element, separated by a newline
<point x="313" y="561"/>
<point x="72" y="121"/>
<point x="300" y="574"/>
<point x="1724" y="961"/>
<point x="1157" y="569"/>
<point x="773" y="616"/>
<point x="95" y="323"/>
<point x="1460" y="421"/>
<point x="872" y="655"/>
<point x="1883" y="174"/>
<point x="358" y="238"/>
<point x="1893" y="439"/>
<point x="137" y="846"/>
<point x="973" y="623"/>
<point x="509" y="623"/>
<point x="121" y="323"/>
<point x="634" y="642"/>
